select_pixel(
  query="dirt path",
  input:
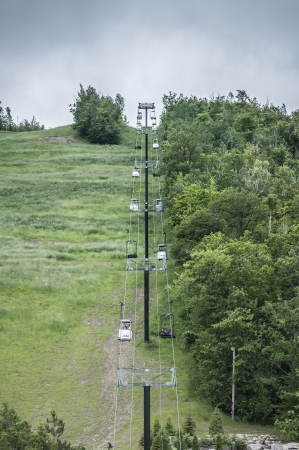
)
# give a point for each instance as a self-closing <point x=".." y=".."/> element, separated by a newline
<point x="116" y="402"/>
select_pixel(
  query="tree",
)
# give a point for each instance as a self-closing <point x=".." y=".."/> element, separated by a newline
<point x="169" y="428"/>
<point x="215" y="426"/>
<point x="57" y="427"/>
<point x="189" y="425"/>
<point x="98" y="117"/>
<point x="16" y="434"/>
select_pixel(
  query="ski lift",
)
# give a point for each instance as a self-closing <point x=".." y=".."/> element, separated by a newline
<point x="161" y="254"/>
<point x="131" y="249"/>
<point x="125" y="330"/>
<point x="153" y="115"/>
<point x="167" y="332"/>
<point x="138" y="127"/>
<point x="139" y="115"/>
<point x="135" y="173"/>
<point x="134" y="206"/>
<point x="154" y="128"/>
<point x="159" y="204"/>
<point x="155" y="143"/>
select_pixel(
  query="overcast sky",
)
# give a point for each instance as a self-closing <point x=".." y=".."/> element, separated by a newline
<point x="143" y="50"/>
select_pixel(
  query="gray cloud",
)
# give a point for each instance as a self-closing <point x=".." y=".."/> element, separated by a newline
<point x="143" y="50"/>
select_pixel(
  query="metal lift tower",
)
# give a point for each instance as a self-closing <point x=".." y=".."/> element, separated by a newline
<point x="146" y="376"/>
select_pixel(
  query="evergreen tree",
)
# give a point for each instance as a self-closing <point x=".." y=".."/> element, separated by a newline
<point x="189" y="425"/>
<point x="195" y="443"/>
<point x="215" y="426"/>
<point x="169" y="428"/>
<point x="56" y="428"/>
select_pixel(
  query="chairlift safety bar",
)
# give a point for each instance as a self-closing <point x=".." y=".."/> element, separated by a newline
<point x="146" y="377"/>
<point x="146" y="264"/>
<point x="146" y="105"/>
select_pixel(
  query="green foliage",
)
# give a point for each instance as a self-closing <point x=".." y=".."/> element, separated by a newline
<point x="169" y="428"/>
<point x="156" y="428"/>
<point x="56" y="428"/>
<point x="189" y="426"/>
<point x="215" y="426"/>
<point x="17" y="434"/>
<point x="231" y="174"/>
<point x="7" y="122"/>
<point x="289" y="426"/>
<point x="97" y="117"/>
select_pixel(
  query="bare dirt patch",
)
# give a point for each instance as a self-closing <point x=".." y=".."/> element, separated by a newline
<point x="116" y="402"/>
<point x="61" y="139"/>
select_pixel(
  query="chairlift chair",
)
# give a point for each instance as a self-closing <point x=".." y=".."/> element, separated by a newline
<point x="153" y="115"/>
<point x="125" y="330"/>
<point x="134" y="206"/>
<point x="154" y="128"/>
<point x="155" y="143"/>
<point x="139" y="115"/>
<point x="161" y="254"/>
<point x="138" y="127"/>
<point x="135" y="173"/>
<point x="131" y="249"/>
<point x="159" y="205"/>
<point x="167" y="333"/>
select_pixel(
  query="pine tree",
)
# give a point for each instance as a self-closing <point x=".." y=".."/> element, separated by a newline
<point x="156" y="428"/>
<point x="215" y="426"/>
<point x="57" y="427"/>
<point x="195" y="443"/>
<point x="169" y="428"/>
<point x="189" y="425"/>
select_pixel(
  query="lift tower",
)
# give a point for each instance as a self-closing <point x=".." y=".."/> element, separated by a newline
<point x="146" y="376"/>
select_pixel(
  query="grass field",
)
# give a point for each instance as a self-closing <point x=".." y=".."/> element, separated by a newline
<point x="63" y="226"/>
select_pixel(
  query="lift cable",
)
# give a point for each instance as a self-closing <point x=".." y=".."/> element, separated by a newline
<point x="155" y="226"/>
<point x="123" y="310"/>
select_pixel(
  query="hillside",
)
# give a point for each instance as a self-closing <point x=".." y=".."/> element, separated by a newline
<point x="63" y="226"/>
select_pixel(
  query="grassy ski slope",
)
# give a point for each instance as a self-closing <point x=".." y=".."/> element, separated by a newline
<point x="63" y="220"/>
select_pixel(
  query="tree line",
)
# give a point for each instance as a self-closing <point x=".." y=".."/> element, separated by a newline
<point x="231" y="178"/>
<point x="7" y="123"/>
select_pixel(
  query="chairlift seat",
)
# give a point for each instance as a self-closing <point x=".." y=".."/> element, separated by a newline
<point x="135" y="173"/>
<point x="125" y="330"/>
<point x="134" y="205"/>
<point x="155" y="143"/>
<point x="161" y="254"/>
<point x="159" y="205"/>
<point x="167" y="333"/>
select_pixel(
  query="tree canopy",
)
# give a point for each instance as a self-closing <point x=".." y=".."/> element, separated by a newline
<point x="231" y="175"/>
<point x="98" y="117"/>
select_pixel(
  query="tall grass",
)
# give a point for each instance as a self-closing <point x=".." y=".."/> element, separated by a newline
<point x="63" y="225"/>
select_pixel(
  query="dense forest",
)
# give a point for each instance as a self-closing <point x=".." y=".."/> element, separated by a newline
<point x="231" y="178"/>
<point x="7" y="123"/>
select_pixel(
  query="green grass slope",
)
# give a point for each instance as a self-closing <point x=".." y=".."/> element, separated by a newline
<point x="63" y="220"/>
